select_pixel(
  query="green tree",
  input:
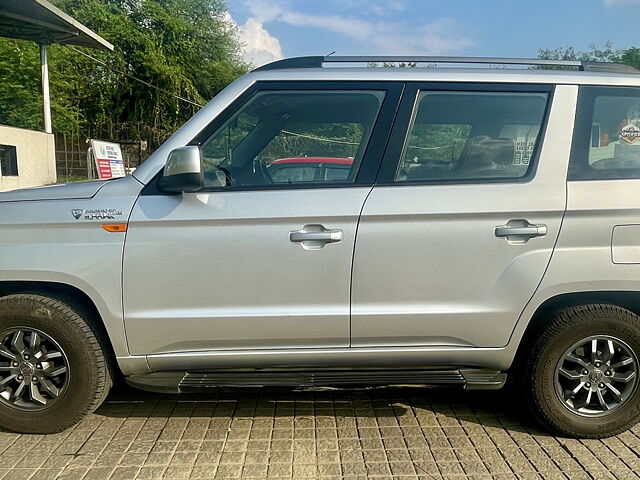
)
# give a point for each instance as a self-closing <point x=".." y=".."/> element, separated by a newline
<point x="629" y="56"/>
<point x="185" y="47"/>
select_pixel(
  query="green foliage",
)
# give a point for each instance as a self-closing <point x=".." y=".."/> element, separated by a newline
<point x="630" y="56"/>
<point x="186" y="47"/>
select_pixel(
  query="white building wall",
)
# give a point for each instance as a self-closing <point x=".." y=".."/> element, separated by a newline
<point x="36" y="158"/>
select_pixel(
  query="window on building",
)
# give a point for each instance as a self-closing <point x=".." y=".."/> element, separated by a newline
<point x="8" y="161"/>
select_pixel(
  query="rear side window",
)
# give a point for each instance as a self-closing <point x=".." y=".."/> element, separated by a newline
<point x="465" y="136"/>
<point x="606" y="142"/>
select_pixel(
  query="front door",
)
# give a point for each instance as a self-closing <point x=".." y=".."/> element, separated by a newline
<point x="456" y="236"/>
<point x="261" y="258"/>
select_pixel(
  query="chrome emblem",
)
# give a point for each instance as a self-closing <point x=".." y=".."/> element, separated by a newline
<point x="77" y="213"/>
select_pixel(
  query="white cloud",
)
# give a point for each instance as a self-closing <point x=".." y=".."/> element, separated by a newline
<point x="259" y="46"/>
<point x="387" y="8"/>
<point x="613" y="3"/>
<point x="444" y="35"/>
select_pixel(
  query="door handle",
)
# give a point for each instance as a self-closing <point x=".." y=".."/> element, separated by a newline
<point x="313" y="237"/>
<point x="520" y="231"/>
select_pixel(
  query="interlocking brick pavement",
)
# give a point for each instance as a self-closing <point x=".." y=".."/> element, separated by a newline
<point x="387" y="433"/>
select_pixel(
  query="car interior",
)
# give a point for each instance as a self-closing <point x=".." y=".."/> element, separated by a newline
<point x="320" y="119"/>
<point x="485" y="147"/>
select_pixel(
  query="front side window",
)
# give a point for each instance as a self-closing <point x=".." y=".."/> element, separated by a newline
<point x="462" y="136"/>
<point x="293" y="138"/>
<point x="607" y="140"/>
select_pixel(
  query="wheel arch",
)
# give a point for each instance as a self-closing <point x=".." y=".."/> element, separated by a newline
<point x="72" y="295"/>
<point x="625" y="299"/>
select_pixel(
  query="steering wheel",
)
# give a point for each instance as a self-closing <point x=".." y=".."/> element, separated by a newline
<point x="260" y="169"/>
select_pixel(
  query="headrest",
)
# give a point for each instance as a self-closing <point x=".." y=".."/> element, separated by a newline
<point x="483" y="150"/>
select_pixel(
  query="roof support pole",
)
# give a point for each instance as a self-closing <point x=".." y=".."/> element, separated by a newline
<point x="46" y="98"/>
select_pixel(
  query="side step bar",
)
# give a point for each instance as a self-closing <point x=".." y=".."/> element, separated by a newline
<point x="183" y="382"/>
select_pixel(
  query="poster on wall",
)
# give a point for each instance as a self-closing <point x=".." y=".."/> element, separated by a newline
<point x="108" y="157"/>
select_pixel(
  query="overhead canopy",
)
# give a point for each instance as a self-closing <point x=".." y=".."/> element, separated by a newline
<point x="41" y="22"/>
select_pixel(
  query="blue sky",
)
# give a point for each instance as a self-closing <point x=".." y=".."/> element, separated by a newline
<point x="271" y="29"/>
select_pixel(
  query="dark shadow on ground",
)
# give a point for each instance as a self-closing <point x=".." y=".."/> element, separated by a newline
<point x="450" y="407"/>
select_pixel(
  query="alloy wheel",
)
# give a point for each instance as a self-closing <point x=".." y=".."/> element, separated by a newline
<point x="596" y="376"/>
<point x="34" y="370"/>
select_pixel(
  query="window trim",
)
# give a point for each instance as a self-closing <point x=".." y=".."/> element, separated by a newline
<point x="400" y="133"/>
<point x="371" y="158"/>
<point x="581" y="140"/>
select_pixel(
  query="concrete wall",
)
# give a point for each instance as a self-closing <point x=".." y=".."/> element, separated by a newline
<point x="36" y="158"/>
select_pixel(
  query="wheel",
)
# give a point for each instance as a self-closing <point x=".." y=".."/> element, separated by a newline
<point x="580" y="376"/>
<point x="53" y="370"/>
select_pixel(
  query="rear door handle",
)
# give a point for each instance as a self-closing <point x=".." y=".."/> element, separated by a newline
<point x="314" y="237"/>
<point x="520" y="231"/>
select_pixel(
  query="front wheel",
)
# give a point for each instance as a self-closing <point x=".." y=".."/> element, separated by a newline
<point x="581" y="374"/>
<point x="53" y="369"/>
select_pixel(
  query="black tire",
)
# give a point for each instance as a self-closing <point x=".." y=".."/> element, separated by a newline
<point x="89" y="378"/>
<point x="536" y="375"/>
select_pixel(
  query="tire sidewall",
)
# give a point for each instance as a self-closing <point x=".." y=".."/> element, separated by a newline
<point x="83" y="366"/>
<point x="543" y="376"/>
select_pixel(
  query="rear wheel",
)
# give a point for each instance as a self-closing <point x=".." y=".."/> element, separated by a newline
<point x="53" y="370"/>
<point x="581" y="374"/>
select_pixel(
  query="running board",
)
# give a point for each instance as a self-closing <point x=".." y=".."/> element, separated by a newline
<point x="183" y="382"/>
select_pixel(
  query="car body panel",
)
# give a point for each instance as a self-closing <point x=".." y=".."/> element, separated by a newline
<point x="217" y="270"/>
<point x="42" y="241"/>
<point x="68" y="191"/>
<point x="445" y="278"/>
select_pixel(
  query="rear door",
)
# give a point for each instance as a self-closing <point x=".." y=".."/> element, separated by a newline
<point x="456" y="236"/>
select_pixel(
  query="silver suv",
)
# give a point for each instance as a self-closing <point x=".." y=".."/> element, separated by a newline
<point x="347" y="226"/>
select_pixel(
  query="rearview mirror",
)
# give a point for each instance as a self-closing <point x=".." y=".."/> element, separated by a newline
<point x="183" y="171"/>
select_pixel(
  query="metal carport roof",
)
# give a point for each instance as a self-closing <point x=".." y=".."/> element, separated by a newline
<point x="41" y="22"/>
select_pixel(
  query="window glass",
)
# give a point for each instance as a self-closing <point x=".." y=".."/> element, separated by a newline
<point x="472" y="135"/>
<point x="292" y="138"/>
<point x="8" y="161"/>
<point x="614" y="144"/>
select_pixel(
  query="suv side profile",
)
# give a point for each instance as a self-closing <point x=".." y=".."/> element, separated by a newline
<point x="347" y="226"/>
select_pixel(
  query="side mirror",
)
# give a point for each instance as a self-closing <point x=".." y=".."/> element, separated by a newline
<point x="183" y="171"/>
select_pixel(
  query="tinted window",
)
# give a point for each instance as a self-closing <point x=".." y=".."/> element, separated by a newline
<point x="607" y="140"/>
<point x="288" y="137"/>
<point x="8" y="161"/>
<point x="472" y="135"/>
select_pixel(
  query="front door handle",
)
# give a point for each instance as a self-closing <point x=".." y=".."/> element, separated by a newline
<point x="313" y="237"/>
<point x="520" y="231"/>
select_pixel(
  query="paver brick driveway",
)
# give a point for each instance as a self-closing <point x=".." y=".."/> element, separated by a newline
<point x="395" y="433"/>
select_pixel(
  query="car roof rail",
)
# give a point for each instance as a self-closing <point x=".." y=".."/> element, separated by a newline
<point x="319" y="61"/>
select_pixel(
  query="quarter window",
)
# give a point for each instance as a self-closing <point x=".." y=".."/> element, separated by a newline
<point x="293" y="138"/>
<point x="607" y="140"/>
<point x="460" y="136"/>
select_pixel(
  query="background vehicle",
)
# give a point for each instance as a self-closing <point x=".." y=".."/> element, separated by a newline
<point x="472" y="222"/>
